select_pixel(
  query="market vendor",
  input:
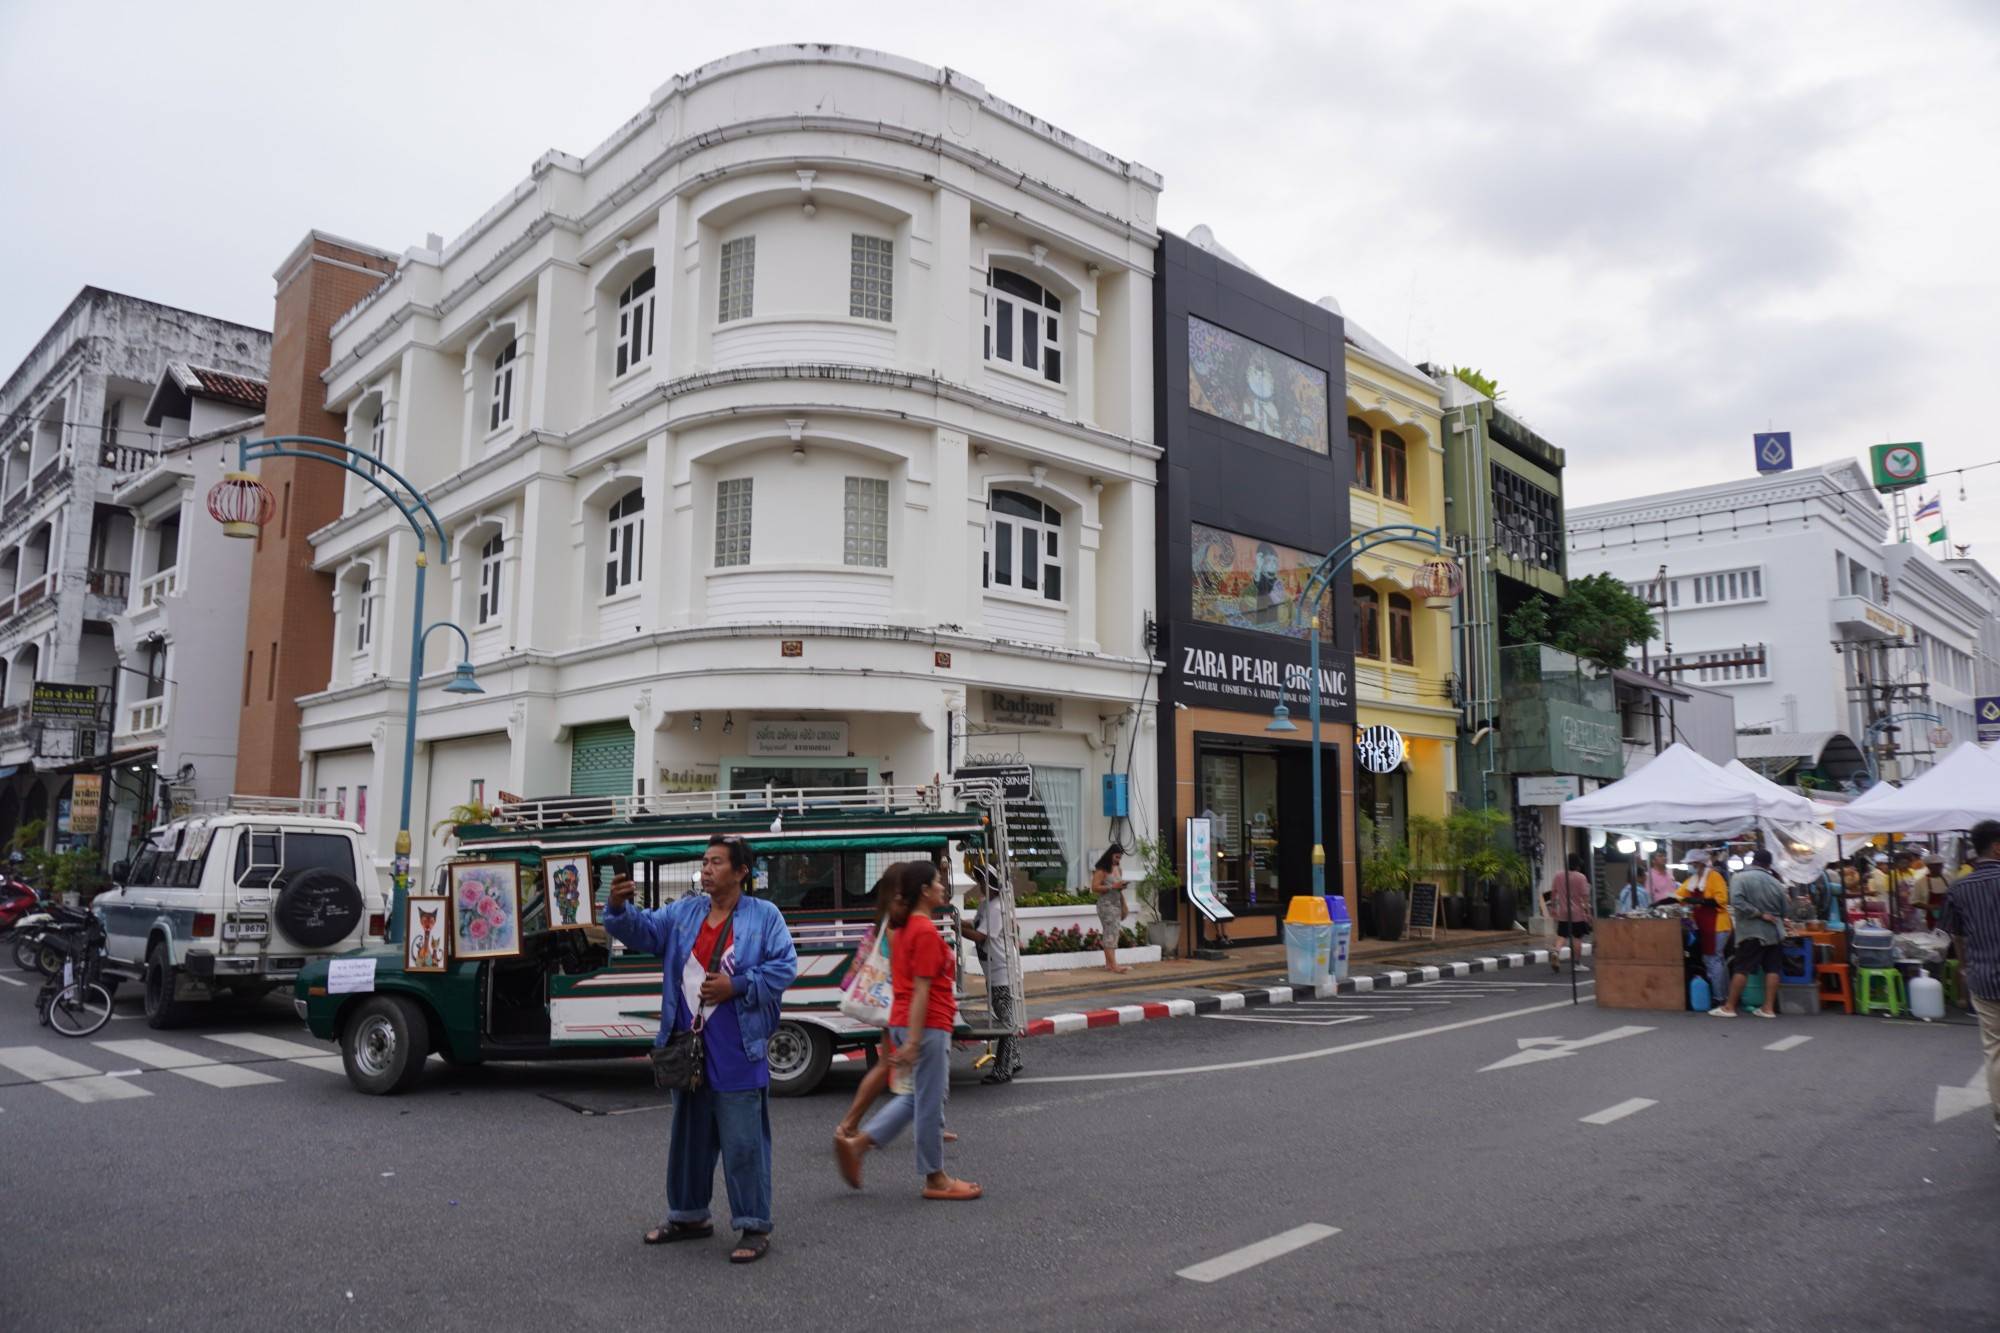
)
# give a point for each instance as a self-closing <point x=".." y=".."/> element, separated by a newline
<point x="1709" y="892"/>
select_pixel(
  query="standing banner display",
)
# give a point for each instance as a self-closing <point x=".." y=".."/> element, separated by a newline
<point x="1201" y="871"/>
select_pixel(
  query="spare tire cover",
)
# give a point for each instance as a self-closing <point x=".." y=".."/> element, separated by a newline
<point x="318" y="908"/>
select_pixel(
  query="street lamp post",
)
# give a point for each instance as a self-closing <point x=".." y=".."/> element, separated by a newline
<point x="1441" y="578"/>
<point x="243" y="505"/>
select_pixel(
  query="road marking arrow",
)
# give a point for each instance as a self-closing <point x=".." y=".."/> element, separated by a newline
<point x="1957" y="1101"/>
<point x="1534" y="1050"/>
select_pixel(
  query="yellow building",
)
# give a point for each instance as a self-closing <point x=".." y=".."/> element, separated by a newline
<point x="1402" y="644"/>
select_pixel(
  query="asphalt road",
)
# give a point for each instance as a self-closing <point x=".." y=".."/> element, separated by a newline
<point x="1422" y="1188"/>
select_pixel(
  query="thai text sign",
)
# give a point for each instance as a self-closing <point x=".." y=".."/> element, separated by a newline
<point x="799" y="739"/>
<point x="86" y="801"/>
<point x="53" y="702"/>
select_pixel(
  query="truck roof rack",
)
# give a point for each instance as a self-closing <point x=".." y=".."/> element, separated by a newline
<point x="240" y="803"/>
<point x="556" y="811"/>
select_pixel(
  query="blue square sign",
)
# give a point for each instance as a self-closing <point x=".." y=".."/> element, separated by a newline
<point x="1986" y="716"/>
<point x="1774" y="450"/>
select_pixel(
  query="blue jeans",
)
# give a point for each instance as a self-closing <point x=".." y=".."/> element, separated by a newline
<point x="1717" y="969"/>
<point x="925" y="1105"/>
<point x="732" y="1126"/>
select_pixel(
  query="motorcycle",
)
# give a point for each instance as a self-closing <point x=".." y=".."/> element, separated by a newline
<point x="38" y="942"/>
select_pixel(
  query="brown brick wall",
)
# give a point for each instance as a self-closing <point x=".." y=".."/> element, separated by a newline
<point x="291" y="605"/>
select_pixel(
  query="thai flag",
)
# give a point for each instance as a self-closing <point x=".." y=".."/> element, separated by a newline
<point x="1930" y="509"/>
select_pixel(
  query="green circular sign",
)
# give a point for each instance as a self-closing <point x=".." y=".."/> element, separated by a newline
<point x="1902" y="464"/>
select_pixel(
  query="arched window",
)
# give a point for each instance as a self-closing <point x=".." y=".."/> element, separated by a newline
<point x="1395" y="468"/>
<point x="635" y="323"/>
<point x="1023" y="324"/>
<point x="378" y="437"/>
<point x="489" y="579"/>
<point x="1024" y="545"/>
<point x="1362" y="436"/>
<point x="625" y="543"/>
<point x="501" y="411"/>
<point x="1402" y="633"/>
<point x="1367" y="622"/>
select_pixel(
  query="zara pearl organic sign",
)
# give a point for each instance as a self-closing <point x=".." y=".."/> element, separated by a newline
<point x="802" y="739"/>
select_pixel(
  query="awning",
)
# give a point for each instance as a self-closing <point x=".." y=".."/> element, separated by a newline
<point x="1639" y="680"/>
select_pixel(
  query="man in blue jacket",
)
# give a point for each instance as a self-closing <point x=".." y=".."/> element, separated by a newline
<point x="726" y="959"/>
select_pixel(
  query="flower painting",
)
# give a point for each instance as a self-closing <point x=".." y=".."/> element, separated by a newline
<point x="485" y="909"/>
<point x="567" y="880"/>
<point x="423" y="934"/>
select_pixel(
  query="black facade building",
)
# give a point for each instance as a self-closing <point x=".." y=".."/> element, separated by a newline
<point x="1253" y="491"/>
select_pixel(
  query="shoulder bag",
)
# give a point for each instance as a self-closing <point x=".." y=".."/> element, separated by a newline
<point x="679" y="1064"/>
<point x="872" y="992"/>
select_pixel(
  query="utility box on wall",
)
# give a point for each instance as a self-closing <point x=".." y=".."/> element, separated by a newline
<point x="1117" y="795"/>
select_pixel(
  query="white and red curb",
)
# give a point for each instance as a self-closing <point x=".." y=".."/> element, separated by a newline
<point x="1120" y="1015"/>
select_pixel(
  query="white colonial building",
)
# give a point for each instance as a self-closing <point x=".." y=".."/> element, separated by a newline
<point x="800" y="433"/>
<point x="73" y="431"/>
<point x="1788" y="592"/>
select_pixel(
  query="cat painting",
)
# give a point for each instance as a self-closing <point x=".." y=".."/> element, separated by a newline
<point x="424" y="939"/>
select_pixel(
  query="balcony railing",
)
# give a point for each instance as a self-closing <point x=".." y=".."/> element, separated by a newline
<point x="13" y="722"/>
<point x="110" y="583"/>
<point x="127" y="458"/>
<point x="146" y="715"/>
<point x="33" y="593"/>
<point x="155" y="590"/>
<point x="48" y="473"/>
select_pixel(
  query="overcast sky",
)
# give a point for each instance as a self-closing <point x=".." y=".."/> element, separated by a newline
<point x="1660" y="226"/>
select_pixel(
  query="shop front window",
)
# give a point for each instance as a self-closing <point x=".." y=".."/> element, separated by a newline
<point x="1239" y="795"/>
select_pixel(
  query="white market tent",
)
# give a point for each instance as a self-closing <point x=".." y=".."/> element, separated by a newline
<point x="1682" y="796"/>
<point x="1821" y="810"/>
<point x="1959" y="791"/>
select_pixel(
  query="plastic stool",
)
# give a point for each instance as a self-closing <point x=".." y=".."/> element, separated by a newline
<point x="1890" y="997"/>
<point x="1833" y="987"/>
<point x="1954" y="985"/>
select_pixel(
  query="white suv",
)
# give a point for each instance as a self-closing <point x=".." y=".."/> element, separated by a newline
<point x="235" y="903"/>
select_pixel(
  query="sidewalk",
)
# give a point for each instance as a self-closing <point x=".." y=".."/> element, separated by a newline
<point x="1088" y="998"/>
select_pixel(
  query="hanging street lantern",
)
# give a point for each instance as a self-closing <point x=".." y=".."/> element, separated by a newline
<point x="1438" y="580"/>
<point x="1940" y="736"/>
<point x="241" y="503"/>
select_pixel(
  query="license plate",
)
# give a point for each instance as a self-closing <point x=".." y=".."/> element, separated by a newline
<point x="246" y="930"/>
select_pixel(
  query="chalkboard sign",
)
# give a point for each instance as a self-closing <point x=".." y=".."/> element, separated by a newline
<point x="1423" y="910"/>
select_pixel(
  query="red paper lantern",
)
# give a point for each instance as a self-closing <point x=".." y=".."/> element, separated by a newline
<point x="1439" y="578"/>
<point x="242" y="504"/>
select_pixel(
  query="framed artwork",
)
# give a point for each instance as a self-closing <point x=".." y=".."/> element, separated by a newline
<point x="424" y="927"/>
<point x="567" y="880"/>
<point x="485" y="909"/>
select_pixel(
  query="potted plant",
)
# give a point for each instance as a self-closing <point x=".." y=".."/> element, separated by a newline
<point x="1158" y="881"/>
<point x="1385" y="880"/>
<point x="472" y="812"/>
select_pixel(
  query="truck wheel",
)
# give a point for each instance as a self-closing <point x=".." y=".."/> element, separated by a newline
<point x="162" y="1010"/>
<point x="799" y="1057"/>
<point x="384" y="1045"/>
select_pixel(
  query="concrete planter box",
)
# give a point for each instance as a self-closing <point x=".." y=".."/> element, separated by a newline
<point x="1066" y="962"/>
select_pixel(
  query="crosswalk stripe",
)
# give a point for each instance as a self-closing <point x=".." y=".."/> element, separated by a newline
<point x="226" y="1076"/>
<point x="78" y="1082"/>
<point x="277" y="1048"/>
<point x="331" y="1064"/>
<point x="188" y="1064"/>
<point x="155" y="1053"/>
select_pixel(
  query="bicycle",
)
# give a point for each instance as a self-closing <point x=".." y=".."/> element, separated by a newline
<point x="72" y="1001"/>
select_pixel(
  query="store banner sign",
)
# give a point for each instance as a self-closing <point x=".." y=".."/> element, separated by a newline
<point x="1546" y="790"/>
<point x="1379" y="748"/>
<point x="1017" y="781"/>
<point x="1897" y="465"/>
<point x="1252" y="673"/>
<point x="798" y="739"/>
<point x="1005" y="708"/>
<point x="86" y="800"/>
<point x="1986" y="713"/>
<point x="52" y="702"/>
<point x="1773" y="449"/>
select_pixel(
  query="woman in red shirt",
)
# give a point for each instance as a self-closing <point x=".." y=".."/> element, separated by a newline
<point x="922" y="968"/>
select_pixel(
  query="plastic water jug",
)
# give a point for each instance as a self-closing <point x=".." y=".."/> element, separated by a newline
<point x="1926" y="997"/>
<point x="1699" y="999"/>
